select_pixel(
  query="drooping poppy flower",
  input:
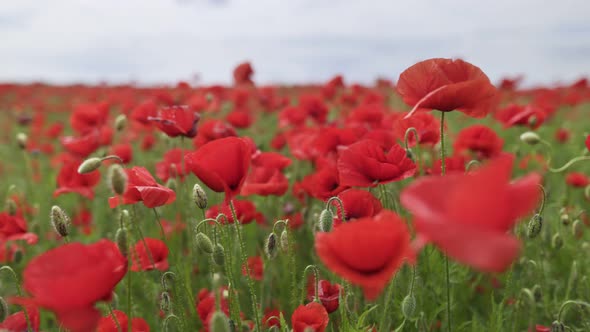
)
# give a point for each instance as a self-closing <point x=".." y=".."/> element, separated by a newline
<point x="58" y="280"/>
<point x="357" y="204"/>
<point x="172" y="165"/>
<point x="176" y="121"/>
<point x="468" y="216"/>
<point x="577" y="180"/>
<point x="366" y="252"/>
<point x="365" y="164"/>
<point x="108" y="324"/>
<point x="18" y="322"/>
<point x="70" y="181"/>
<point x="14" y="228"/>
<point x="447" y="85"/>
<point x="481" y="140"/>
<point x="141" y="187"/>
<point x="156" y="258"/>
<point x="245" y="211"/>
<point x="256" y="268"/>
<point x="328" y="293"/>
<point x="310" y="317"/>
<point x="222" y="164"/>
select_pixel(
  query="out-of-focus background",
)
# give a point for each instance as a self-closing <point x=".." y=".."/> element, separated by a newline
<point x="287" y="41"/>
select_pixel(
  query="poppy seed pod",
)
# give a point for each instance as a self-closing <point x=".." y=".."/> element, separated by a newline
<point x="120" y="122"/>
<point x="535" y="225"/>
<point x="530" y="138"/>
<point x="284" y="240"/>
<point x="326" y="220"/>
<point x="60" y="221"/>
<point x="117" y="179"/>
<point x="199" y="196"/>
<point x="557" y="326"/>
<point x="556" y="241"/>
<point x="219" y="322"/>
<point x="165" y="302"/>
<point x="409" y="306"/>
<point x="219" y="254"/>
<point x="89" y="165"/>
<point x="3" y="309"/>
<point x="204" y="243"/>
<point x="21" y="140"/>
<point x="121" y="240"/>
<point x="10" y="206"/>
<point x="270" y="247"/>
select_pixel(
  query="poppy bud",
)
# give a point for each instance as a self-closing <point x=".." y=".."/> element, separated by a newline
<point x="60" y="221"/>
<point x="565" y="219"/>
<point x="535" y="225"/>
<point x="270" y="247"/>
<point x="89" y="165"/>
<point x="17" y="256"/>
<point x="120" y="122"/>
<point x="124" y="218"/>
<point x="199" y="196"/>
<point x="3" y="309"/>
<point x="585" y="246"/>
<point x="556" y="241"/>
<point x="537" y="293"/>
<point x="557" y="326"/>
<point x="21" y="140"/>
<point x="530" y="138"/>
<point x="117" y="179"/>
<point x="219" y="322"/>
<point x="121" y="240"/>
<point x="172" y="184"/>
<point x="326" y="220"/>
<point x="165" y="302"/>
<point x="587" y="192"/>
<point x="577" y="228"/>
<point x="284" y="241"/>
<point x="219" y="254"/>
<point x="10" y="206"/>
<point x="204" y="243"/>
<point x="529" y="296"/>
<point x="409" y="306"/>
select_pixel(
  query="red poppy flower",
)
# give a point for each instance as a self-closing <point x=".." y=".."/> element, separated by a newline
<point x="577" y="180"/>
<point x="144" y="111"/>
<point x="222" y="164"/>
<point x="171" y="165"/>
<point x="83" y="218"/>
<point x="323" y="183"/>
<point x="142" y="260"/>
<point x="211" y="130"/>
<point x="366" y="252"/>
<point x="453" y="164"/>
<point x="243" y="74"/>
<point x="271" y="318"/>
<point x="427" y="126"/>
<point x="177" y="121"/>
<point x="588" y="142"/>
<point x="70" y="181"/>
<point x="141" y="187"/>
<point x="14" y="228"/>
<point x="88" y="117"/>
<point x="447" y="85"/>
<point x="107" y="323"/>
<point x="562" y="135"/>
<point x="123" y="151"/>
<point x="245" y="211"/>
<point x="292" y="116"/>
<point x="314" y="107"/>
<point x="264" y="182"/>
<point x="310" y="317"/>
<point x="18" y="321"/>
<point x="357" y="204"/>
<point x="479" y="139"/>
<point x="468" y="216"/>
<point x="270" y="159"/>
<point x="82" y="146"/>
<point x="240" y="118"/>
<point x="514" y="114"/>
<point x="256" y="268"/>
<point x="329" y="294"/>
<point x="206" y="304"/>
<point x="365" y="164"/>
<point x="59" y="279"/>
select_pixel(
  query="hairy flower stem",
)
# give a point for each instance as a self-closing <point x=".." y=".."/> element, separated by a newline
<point x="247" y="267"/>
<point x="443" y="171"/>
<point x="19" y="292"/>
<point x="115" y="318"/>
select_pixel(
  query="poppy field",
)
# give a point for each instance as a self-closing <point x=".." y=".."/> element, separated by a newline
<point x="438" y="202"/>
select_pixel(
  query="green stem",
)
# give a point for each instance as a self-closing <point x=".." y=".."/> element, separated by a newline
<point x="19" y="292"/>
<point x="162" y="233"/>
<point x="566" y="303"/>
<point x="316" y="282"/>
<point x="443" y="171"/>
<point x="115" y="318"/>
<point x="568" y="164"/>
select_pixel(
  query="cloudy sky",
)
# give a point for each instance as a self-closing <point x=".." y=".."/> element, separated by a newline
<point x="294" y="41"/>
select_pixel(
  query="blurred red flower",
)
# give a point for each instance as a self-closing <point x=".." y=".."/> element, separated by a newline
<point x="176" y="121"/>
<point x="141" y="187"/>
<point x="577" y="180"/>
<point x="310" y="317"/>
<point x="107" y="323"/>
<point x="156" y="258"/>
<point x="481" y="140"/>
<point x="70" y="181"/>
<point x="329" y="294"/>
<point x="357" y="204"/>
<point x="256" y="267"/>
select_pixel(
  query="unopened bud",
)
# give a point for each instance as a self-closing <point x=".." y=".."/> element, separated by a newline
<point x="577" y="228"/>
<point x="89" y="165"/>
<point x="219" y="322"/>
<point x="556" y="241"/>
<point x="326" y="220"/>
<point x="557" y="326"/>
<point x="172" y="184"/>
<point x="121" y="240"/>
<point x="270" y="247"/>
<point x="204" y="243"/>
<point x="199" y="196"/>
<point x="587" y="192"/>
<point x="528" y="296"/>
<point x="219" y="254"/>
<point x="17" y="257"/>
<point x="21" y="140"/>
<point x="284" y="241"/>
<point x="124" y="218"/>
<point x="537" y="293"/>
<point x="165" y="302"/>
<point x="409" y="306"/>
<point x="120" y="122"/>
<point x="3" y="309"/>
<point x="10" y="206"/>
<point x="60" y="221"/>
<point x="535" y="225"/>
<point x="117" y="179"/>
<point x="530" y="138"/>
<point x="565" y="219"/>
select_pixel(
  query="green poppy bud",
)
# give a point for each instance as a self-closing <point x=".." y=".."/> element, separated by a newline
<point x="219" y="254"/>
<point x="565" y="219"/>
<point x="409" y="306"/>
<point x="557" y="326"/>
<point x="219" y="322"/>
<point x="326" y="220"/>
<point x="271" y="246"/>
<point x="121" y="240"/>
<point x="172" y="184"/>
<point x="535" y="225"/>
<point x="10" y="206"/>
<point x="577" y="228"/>
<point x="120" y="122"/>
<point x="117" y="179"/>
<point x="89" y="165"/>
<point x="204" y="243"/>
<point x="165" y="302"/>
<point x="199" y="196"/>
<point x="530" y="138"/>
<point x="21" y="140"/>
<point x="284" y="241"/>
<point x="556" y="241"/>
<point x="60" y="221"/>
